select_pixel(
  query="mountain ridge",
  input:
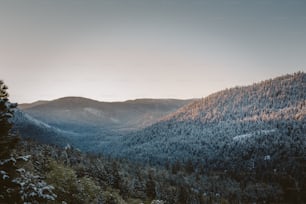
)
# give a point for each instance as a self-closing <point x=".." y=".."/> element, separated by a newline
<point x="130" y="114"/>
<point x="299" y="78"/>
<point x="24" y="106"/>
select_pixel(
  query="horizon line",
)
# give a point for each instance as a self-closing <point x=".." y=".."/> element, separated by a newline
<point x="165" y="98"/>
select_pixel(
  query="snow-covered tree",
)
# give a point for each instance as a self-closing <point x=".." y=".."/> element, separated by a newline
<point x="7" y="142"/>
<point x="16" y="184"/>
<point x="7" y="139"/>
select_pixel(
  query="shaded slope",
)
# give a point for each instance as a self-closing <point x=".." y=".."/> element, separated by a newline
<point x="29" y="127"/>
<point x="86" y="138"/>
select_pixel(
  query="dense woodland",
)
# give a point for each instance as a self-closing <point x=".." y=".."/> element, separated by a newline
<point x="74" y="177"/>
<point x="264" y="118"/>
<point x="241" y="145"/>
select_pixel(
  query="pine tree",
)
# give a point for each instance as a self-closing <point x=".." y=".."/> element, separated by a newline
<point x="183" y="194"/>
<point x="150" y="186"/>
<point x="116" y="177"/>
<point x="7" y="139"/>
<point x="189" y="166"/>
<point x="7" y="142"/>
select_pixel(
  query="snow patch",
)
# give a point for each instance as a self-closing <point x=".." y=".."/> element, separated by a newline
<point x="248" y="135"/>
<point x="244" y="136"/>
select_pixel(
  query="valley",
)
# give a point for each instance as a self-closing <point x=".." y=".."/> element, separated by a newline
<point x="226" y="138"/>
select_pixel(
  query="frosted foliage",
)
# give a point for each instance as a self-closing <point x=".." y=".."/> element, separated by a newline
<point x="4" y="175"/>
<point x="157" y="202"/>
<point x="32" y="188"/>
<point x="243" y="122"/>
<point x="24" y="158"/>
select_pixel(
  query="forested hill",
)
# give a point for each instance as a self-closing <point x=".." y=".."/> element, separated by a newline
<point x="280" y="98"/>
<point x="237" y="126"/>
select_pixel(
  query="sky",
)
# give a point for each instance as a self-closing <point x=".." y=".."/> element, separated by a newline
<point x="115" y="50"/>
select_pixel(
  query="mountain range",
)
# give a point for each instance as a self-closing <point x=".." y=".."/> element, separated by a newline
<point x="236" y="126"/>
<point x="71" y="119"/>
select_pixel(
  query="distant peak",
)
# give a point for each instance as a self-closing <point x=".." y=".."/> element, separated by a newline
<point x="73" y="98"/>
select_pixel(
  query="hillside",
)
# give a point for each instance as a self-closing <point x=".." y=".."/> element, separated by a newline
<point x="76" y="111"/>
<point x="29" y="127"/>
<point x="88" y="124"/>
<point x="235" y="127"/>
<point x="280" y="98"/>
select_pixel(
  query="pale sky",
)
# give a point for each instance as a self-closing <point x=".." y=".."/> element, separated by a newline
<point x="114" y="50"/>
